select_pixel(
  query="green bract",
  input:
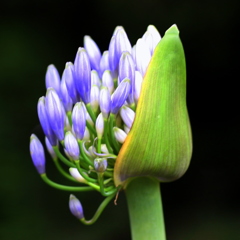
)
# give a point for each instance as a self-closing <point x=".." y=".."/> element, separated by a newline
<point x="159" y="144"/>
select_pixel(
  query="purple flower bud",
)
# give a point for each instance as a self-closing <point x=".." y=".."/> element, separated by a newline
<point x="126" y="67"/>
<point x="155" y="37"/>
<point x="127" y="70"/>
<point x="94" y="97"/>
<point x="112" y="59"/>
<point x="119" y="134"/>
<point x="52" y="79"/>
<point x="95" y="80"/>
<point x="117" y="29"/>
<point x="75" y="207"/>
<point x="122" y="43"/>
<point x="127" y="115"/>
<point x="82" y="75"/>
<point x="143" y="56"/>
<point x="70" y="84"/>
<point x="50" y="149"/>
<point x="55" y="113"/>
<point x="120" y="95"/>
<point x="75" y="174"/>
<point x="105" y="101"/>
<point x="138" y="85"/>
<point x="100" y="164"/>
<point x="66" y="99"/>
<point x="79" y="120"/>
<point x="71" y="146"/>
<point x="104" y="63"/>
<point x="100" y="125"/>
<point x="107" y="80"/>
<point x="37" y="154"/>
<point x="93" y="52"/>
<point x="43" y="118"/>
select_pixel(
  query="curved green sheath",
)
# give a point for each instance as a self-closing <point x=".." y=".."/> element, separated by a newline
<point x="159" y="144"/>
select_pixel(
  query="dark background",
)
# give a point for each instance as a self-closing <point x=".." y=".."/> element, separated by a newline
<point x="201" y="205"/>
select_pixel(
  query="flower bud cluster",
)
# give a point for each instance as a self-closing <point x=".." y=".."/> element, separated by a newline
<point x="87" y="113"/>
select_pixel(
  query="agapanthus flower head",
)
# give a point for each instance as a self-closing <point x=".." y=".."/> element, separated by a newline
<point x="118" y="115"/>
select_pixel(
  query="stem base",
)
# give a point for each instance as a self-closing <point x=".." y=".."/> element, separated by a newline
<point x="145" y="209"/>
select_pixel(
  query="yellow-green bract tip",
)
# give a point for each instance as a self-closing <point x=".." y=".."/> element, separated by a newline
<point x="172" y="30"/>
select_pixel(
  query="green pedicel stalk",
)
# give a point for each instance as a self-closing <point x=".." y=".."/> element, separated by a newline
<point x="145" y="209"/>
<point x="99" y="211"/>
<point x="64" y="187"/>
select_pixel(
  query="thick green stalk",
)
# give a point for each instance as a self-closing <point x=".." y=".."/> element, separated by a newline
<point x="145" y="209"/>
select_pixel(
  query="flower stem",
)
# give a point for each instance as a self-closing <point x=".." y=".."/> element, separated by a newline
<point x="145" y="209"/>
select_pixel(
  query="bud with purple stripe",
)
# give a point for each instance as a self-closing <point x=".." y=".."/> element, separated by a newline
<point x="37" y="154"/>
<point x="112" y="55"/>
<point x="95" y="80"/>
<point x="66" y="99"/>
<point x="52" y="79"/>
<point x="119" y="134"/>
<point x="79" y="120"/>
<point x="122" y="43"/>
<point x="120" y="96"/>
<point x="43" y="118"/>
<point x="105" y="101"/>
<point x="151" y="37"/>
<point x="71" y="146"/>
<point x="104" y="63"/>
<point x="82" y="75"/>
<point x="100" y="125"/>
<point x="107" y="80"/>
<point x="50" y="148"/>
<point x="70" y="83"/>
<point x="75" y="207"/>
<point x="94" y="97"/>
<point x="127" y="115"/>
<point x="55" y="112"/>
<point x="143" y="56"/>
<point x="100" y="165"/>
<point x="127" y="70"/>
<point x="138" y="85"/>
<point x="93" y="52"/>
